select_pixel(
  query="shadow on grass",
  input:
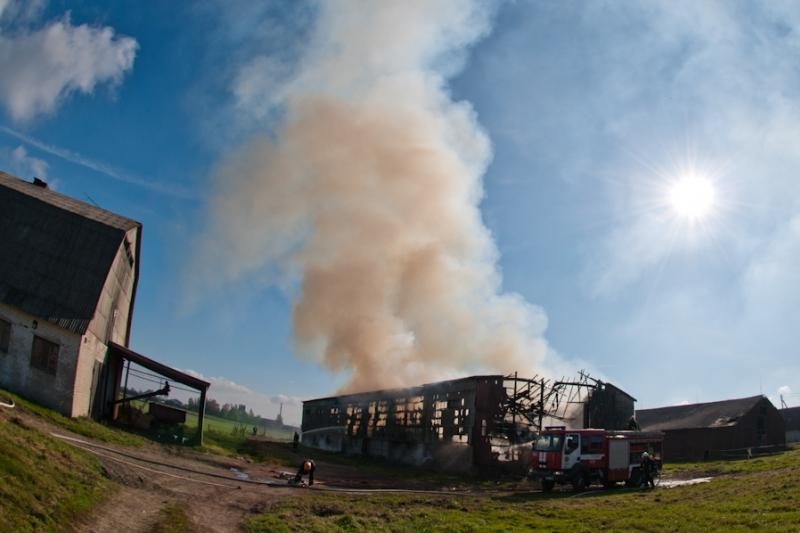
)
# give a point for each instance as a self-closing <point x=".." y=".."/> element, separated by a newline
<point x="566" y="493"/>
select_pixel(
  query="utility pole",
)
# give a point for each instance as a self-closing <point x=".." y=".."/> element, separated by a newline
<point x="783" y="403"/>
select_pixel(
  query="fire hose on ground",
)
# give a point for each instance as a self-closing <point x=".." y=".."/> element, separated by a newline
<point x="93" y="448"/>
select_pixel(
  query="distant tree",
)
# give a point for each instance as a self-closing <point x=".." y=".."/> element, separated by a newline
<point x="212" y="407"/>
<point x="236" y="412"/>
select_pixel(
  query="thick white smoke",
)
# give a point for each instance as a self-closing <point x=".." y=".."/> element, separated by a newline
<point x="369" y="192"/>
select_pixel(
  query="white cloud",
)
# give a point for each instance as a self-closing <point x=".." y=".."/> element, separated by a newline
<point x="43" y="66"/>
<point x="226" y="391"/>
<point x="24" y="165"/>
<point x="660" y="88"/>
<point x="258" y="87"/>
<point x="12" y="11"/>
<point x="782" y="396"/>
<point x="772" y="280"/>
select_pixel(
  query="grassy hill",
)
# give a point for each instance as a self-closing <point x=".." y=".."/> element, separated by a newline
<point x="82" y="426"/>
<point x="47" y="484"/>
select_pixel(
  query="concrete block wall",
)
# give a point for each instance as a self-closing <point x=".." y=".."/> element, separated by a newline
<point x="110" y="323"/>
<point x="116" y="297"/>
<point x="91" y="349"/>
<point x="16" y="373"/>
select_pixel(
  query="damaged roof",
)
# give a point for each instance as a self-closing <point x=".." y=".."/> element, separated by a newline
<point x="407" y="391"/>
<point x="698" y="415"/>
<point x="55" y="252"/>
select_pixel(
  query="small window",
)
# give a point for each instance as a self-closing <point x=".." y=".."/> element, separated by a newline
<point x="573" y="441"/>
<point x="592" y="444"/>
<point x="5" y="335"/>
<point x="44" y="355"/>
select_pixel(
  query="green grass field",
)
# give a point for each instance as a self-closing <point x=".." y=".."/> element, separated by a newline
<point x="82" y="425"/>
<point x="761" y="494"/>
<point x="225" y="426"/>
<point x="45" y="484"/>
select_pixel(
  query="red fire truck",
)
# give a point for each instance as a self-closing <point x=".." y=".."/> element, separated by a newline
<point x="585" y="456"/>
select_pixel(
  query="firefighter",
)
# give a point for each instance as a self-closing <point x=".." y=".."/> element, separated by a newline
<point x="647" y="467"/>
<point x="633" y="425"/>
<point x="295" y="441"/>
<point x="306" y="468"/>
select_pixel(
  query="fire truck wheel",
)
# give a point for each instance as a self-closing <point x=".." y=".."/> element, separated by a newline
<point x="547" y="485"/>
<point x="580" y="482"/>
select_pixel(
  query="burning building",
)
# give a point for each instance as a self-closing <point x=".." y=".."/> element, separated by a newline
<point x="477" y="421"/>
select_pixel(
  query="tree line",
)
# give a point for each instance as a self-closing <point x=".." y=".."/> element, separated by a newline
<point x="236" y="412"/>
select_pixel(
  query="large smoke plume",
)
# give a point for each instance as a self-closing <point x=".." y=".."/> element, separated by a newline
<point x="369" y="193"/>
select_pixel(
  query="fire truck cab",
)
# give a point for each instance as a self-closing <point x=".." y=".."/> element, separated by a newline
<point x="585" y="456"/>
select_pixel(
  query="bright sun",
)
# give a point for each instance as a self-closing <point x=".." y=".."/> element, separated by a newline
<point x="692" y="197"/>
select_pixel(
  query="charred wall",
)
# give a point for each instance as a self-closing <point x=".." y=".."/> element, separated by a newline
<point x="608" y="407"/>
<point x="478" y="421"/>
<point x="448" y="424"/>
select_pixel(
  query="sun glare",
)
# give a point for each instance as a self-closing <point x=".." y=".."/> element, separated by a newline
<point x="692" y="197"/>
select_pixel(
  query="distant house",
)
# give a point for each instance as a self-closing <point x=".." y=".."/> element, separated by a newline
<point x="715" y="429"/>
<point x="68" y="276"/>
<point x="791" y="418"/>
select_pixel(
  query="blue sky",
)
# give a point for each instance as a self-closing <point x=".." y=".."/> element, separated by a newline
<point x="571" y="121"/>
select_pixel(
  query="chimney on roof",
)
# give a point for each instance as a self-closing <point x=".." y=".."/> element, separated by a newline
<point x="39" y="183"/>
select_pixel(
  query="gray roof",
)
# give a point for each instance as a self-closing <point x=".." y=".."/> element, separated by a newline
<point x="698" y="415"/>
<point x="791" y="418"/>
<point x="55" y="252"/>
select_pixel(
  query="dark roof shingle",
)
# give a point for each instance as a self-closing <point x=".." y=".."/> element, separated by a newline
<point x="55" y="252"/>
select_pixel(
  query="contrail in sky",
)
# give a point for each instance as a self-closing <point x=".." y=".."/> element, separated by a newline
<point x="97" y="166"/>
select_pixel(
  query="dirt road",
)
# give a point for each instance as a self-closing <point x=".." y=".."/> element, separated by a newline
<point x="208" y="487"/>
